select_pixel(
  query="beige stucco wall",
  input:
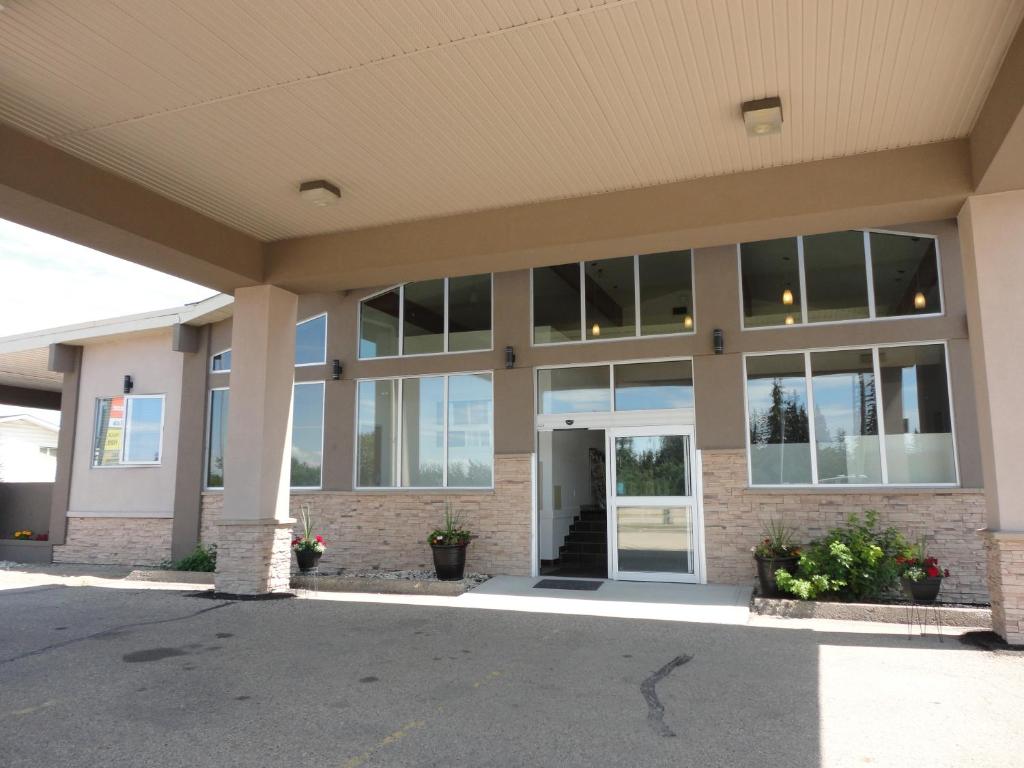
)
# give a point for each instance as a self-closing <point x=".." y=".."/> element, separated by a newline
<point x="126" y="491"/>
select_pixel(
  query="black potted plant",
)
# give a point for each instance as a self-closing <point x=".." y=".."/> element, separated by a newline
<point x="920" y="575"/>
<point x="448" y="545"/>
<point x="308" y="548"/>
<point x="776" y="551"/>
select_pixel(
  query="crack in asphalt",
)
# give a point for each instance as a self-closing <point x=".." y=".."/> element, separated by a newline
<point x="655" y="709"/>
<point x="111" y="631"/>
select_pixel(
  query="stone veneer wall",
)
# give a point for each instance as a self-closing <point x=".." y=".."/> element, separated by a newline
<point x="116" y="541"/>
<point x="1006" y="584"/>
<point x="388" y="529"/>
<point x="734" y="517"/>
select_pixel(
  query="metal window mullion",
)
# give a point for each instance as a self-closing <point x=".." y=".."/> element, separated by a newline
<point x="401" y="319"/>
<point x="636" y="296"/>
<point x="802" y="279"/>
<point x="399" y="421"/>
<point x="444" y="436"/>
<point x="445" y="333"/>
<point x="124" y="442"/>
<point x="879" y="416"/>
<point x="869" y="272"/>
<point x="811" y="431"/>
<point x="583" y="303"/>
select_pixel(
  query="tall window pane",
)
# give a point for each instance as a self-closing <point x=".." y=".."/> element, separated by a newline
<point x="916" y="414"/>
<point x="144" y="427"/>
<point x="378" y="325"/>
<point x="906" y="275"/>
<point x="836" y="277"/>
<point x="424" y="318"/>
<point x="556" y="303"/>
<point x="221" y="362"/>
<point x="469" y="313"/>
<point x="771" y="283"/>
<point x="109" y="434"/>
<point x="217" y="438"/>
<point x="846" y="417"/>
<point x="377" y="434"/>
<point x="423" y="432"/>
<point x="651" y="386"/>
<point x="610" y="297"/>
<point x="780" y="442"/>
<point x="666" y="293"/>
<point x="470" y="453"/>
<point x="311" y="341"/>
<point x="574" y="390"/>
<point x="307" y="434"/>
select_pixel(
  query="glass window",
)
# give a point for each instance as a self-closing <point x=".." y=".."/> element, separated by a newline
<point x="469" y="313"/>
<point x="311" y="341"/>
<point x="307" y="434"/>
<point x="610" y="298"/>
<point x="836" y="277"/>
<point x="423" y="432"/>
<point x="217" y="438"/>
<point x="556" y="304"/>
<point x="377" y="434"/>
<point x="905" y="269"/>
<point x="657" y="465"/>
<point x="916" y="414"/>
<point x="770" y="274"/>
<point x="129" y="430"/>
<point x="423" y="323"/>
<point x="846" y="417"/>
<point x="221" y="362"/>
<point x="470" y="454"/>
<point x="666" y="293"/>
<point x="378" y="325"/>
<point x="581" y="389"/>
<point x="780" y="443"/>
<point x="649" y="386"/>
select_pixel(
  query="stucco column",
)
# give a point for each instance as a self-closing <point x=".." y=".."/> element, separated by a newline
<point x="992" y="238"/>
<point x="254" y="529"/>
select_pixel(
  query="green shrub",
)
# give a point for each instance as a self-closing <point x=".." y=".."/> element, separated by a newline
<point x="199" y="559"/>
<point x="856" y="562"/>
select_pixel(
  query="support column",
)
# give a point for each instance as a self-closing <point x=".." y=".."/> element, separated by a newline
<point x="254" y="530"/>
<point x="992" y="240"/>
<point x="66" y="359"/>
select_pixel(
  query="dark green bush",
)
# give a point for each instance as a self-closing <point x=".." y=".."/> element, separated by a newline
<point x="199" y="559"/>
<point x="856" y="562"/>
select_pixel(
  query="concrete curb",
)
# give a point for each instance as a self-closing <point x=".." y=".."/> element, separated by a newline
<point x="890" y="614"/>
<point x="171" y="577"/>
<point x="379" y="586"/>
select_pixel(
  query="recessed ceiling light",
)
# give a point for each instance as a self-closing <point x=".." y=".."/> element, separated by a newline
<point x="319" y="192"/>
<point x="763" y="116"/>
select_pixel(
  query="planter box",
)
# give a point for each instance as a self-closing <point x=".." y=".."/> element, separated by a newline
<point x="26" y="551"/>
<point x="979" y="618"/>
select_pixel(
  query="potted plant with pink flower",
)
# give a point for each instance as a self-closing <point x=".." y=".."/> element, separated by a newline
<point x="448" y="544"/>
<point x="309" y="547"/>
<point x="920" y="574"/>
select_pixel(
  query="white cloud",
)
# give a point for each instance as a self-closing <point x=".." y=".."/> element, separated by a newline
<point x="47" y="282"/>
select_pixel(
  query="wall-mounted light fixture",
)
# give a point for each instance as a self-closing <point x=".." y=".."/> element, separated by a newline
<point x="510" y="357"/>
<point x="762" y="116"/>
<point x="719" y="340"/>
<point x="336" y="369"/>
<point x="128" y="383"/>
<point x="319" y="192"/>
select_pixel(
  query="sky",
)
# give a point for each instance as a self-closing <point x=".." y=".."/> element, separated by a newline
<point x="47" y="282"/>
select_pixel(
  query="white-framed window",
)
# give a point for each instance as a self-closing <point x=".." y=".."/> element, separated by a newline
<point x="128" y="430"/>
<point x="48" y="450"/>
<point x="839" y="277"/>
<point x="307" y="434"/>
<point x="425" y="432"/>
<point x="627" y="297"/>
<point x="217" y="436"/>
<point x="221" y="362"/>
<point x="429" y="317"/>
<point x="311" y="341"/>
<point x="868" y="416"/>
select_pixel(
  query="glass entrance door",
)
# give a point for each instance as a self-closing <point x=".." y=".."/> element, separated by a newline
<point x="652" y="504"/>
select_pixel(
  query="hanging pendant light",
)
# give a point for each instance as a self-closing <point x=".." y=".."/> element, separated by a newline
<point x="787" y="297"/>
<point x="790" y="320"/>
<point x="687" y="322"/>
<point x="920" y="302"/>
<point x="595" y="329"/>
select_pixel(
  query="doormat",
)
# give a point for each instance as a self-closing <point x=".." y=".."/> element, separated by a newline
<point x="588" y="586"/>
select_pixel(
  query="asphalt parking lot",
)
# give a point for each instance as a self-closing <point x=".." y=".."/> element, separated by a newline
<point x="100" y="677"/>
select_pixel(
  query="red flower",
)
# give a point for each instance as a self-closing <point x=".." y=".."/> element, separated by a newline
<point x="946" y="572"/>
<point x="320" y="539"/>
<point x="932" y="570"/>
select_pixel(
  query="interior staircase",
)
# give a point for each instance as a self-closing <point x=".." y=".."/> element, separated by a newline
<point x="585" y="550"/>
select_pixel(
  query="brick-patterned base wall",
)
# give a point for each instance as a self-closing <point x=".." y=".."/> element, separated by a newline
<point x="734" y="517"/>
<point x="254" y="558"/>
<point x="1006" y="585"/>
<point x="388" y="530"/>
<point x="116" y="541"/>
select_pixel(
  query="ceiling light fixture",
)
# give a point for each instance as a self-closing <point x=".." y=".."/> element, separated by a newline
<point x="787" y="297"/>
<point x="790" y="320"/>
<point x="920" y="302"/>
<point x="595" y="330"/>
<point x="319" y="192"/>
<point x="762" y="116"/>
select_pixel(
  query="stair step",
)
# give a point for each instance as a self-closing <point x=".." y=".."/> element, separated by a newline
<point x="588" y="526"/>
<point x="598" y="536"/>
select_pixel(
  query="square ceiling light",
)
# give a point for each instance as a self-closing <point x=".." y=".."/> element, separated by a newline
<point x="763" y="117"/>
<point x="319" y="192"/>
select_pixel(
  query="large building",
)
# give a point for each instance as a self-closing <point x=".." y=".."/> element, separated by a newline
<point x="664" y="270"/>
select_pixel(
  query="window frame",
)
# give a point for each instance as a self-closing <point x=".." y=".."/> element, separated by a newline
<point x="869" y="275"/>
<point x="124" y="443"/>
<point x="400" y="287"/>
<point x="638" y="334"/>
<point x="874" y="348"/>
<point x="399" y="403"/>
<point x="326" y="329"/>
<point x="218" y="354"/>
<point x="323" y="429"/>
<point x="208" y="446"/>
